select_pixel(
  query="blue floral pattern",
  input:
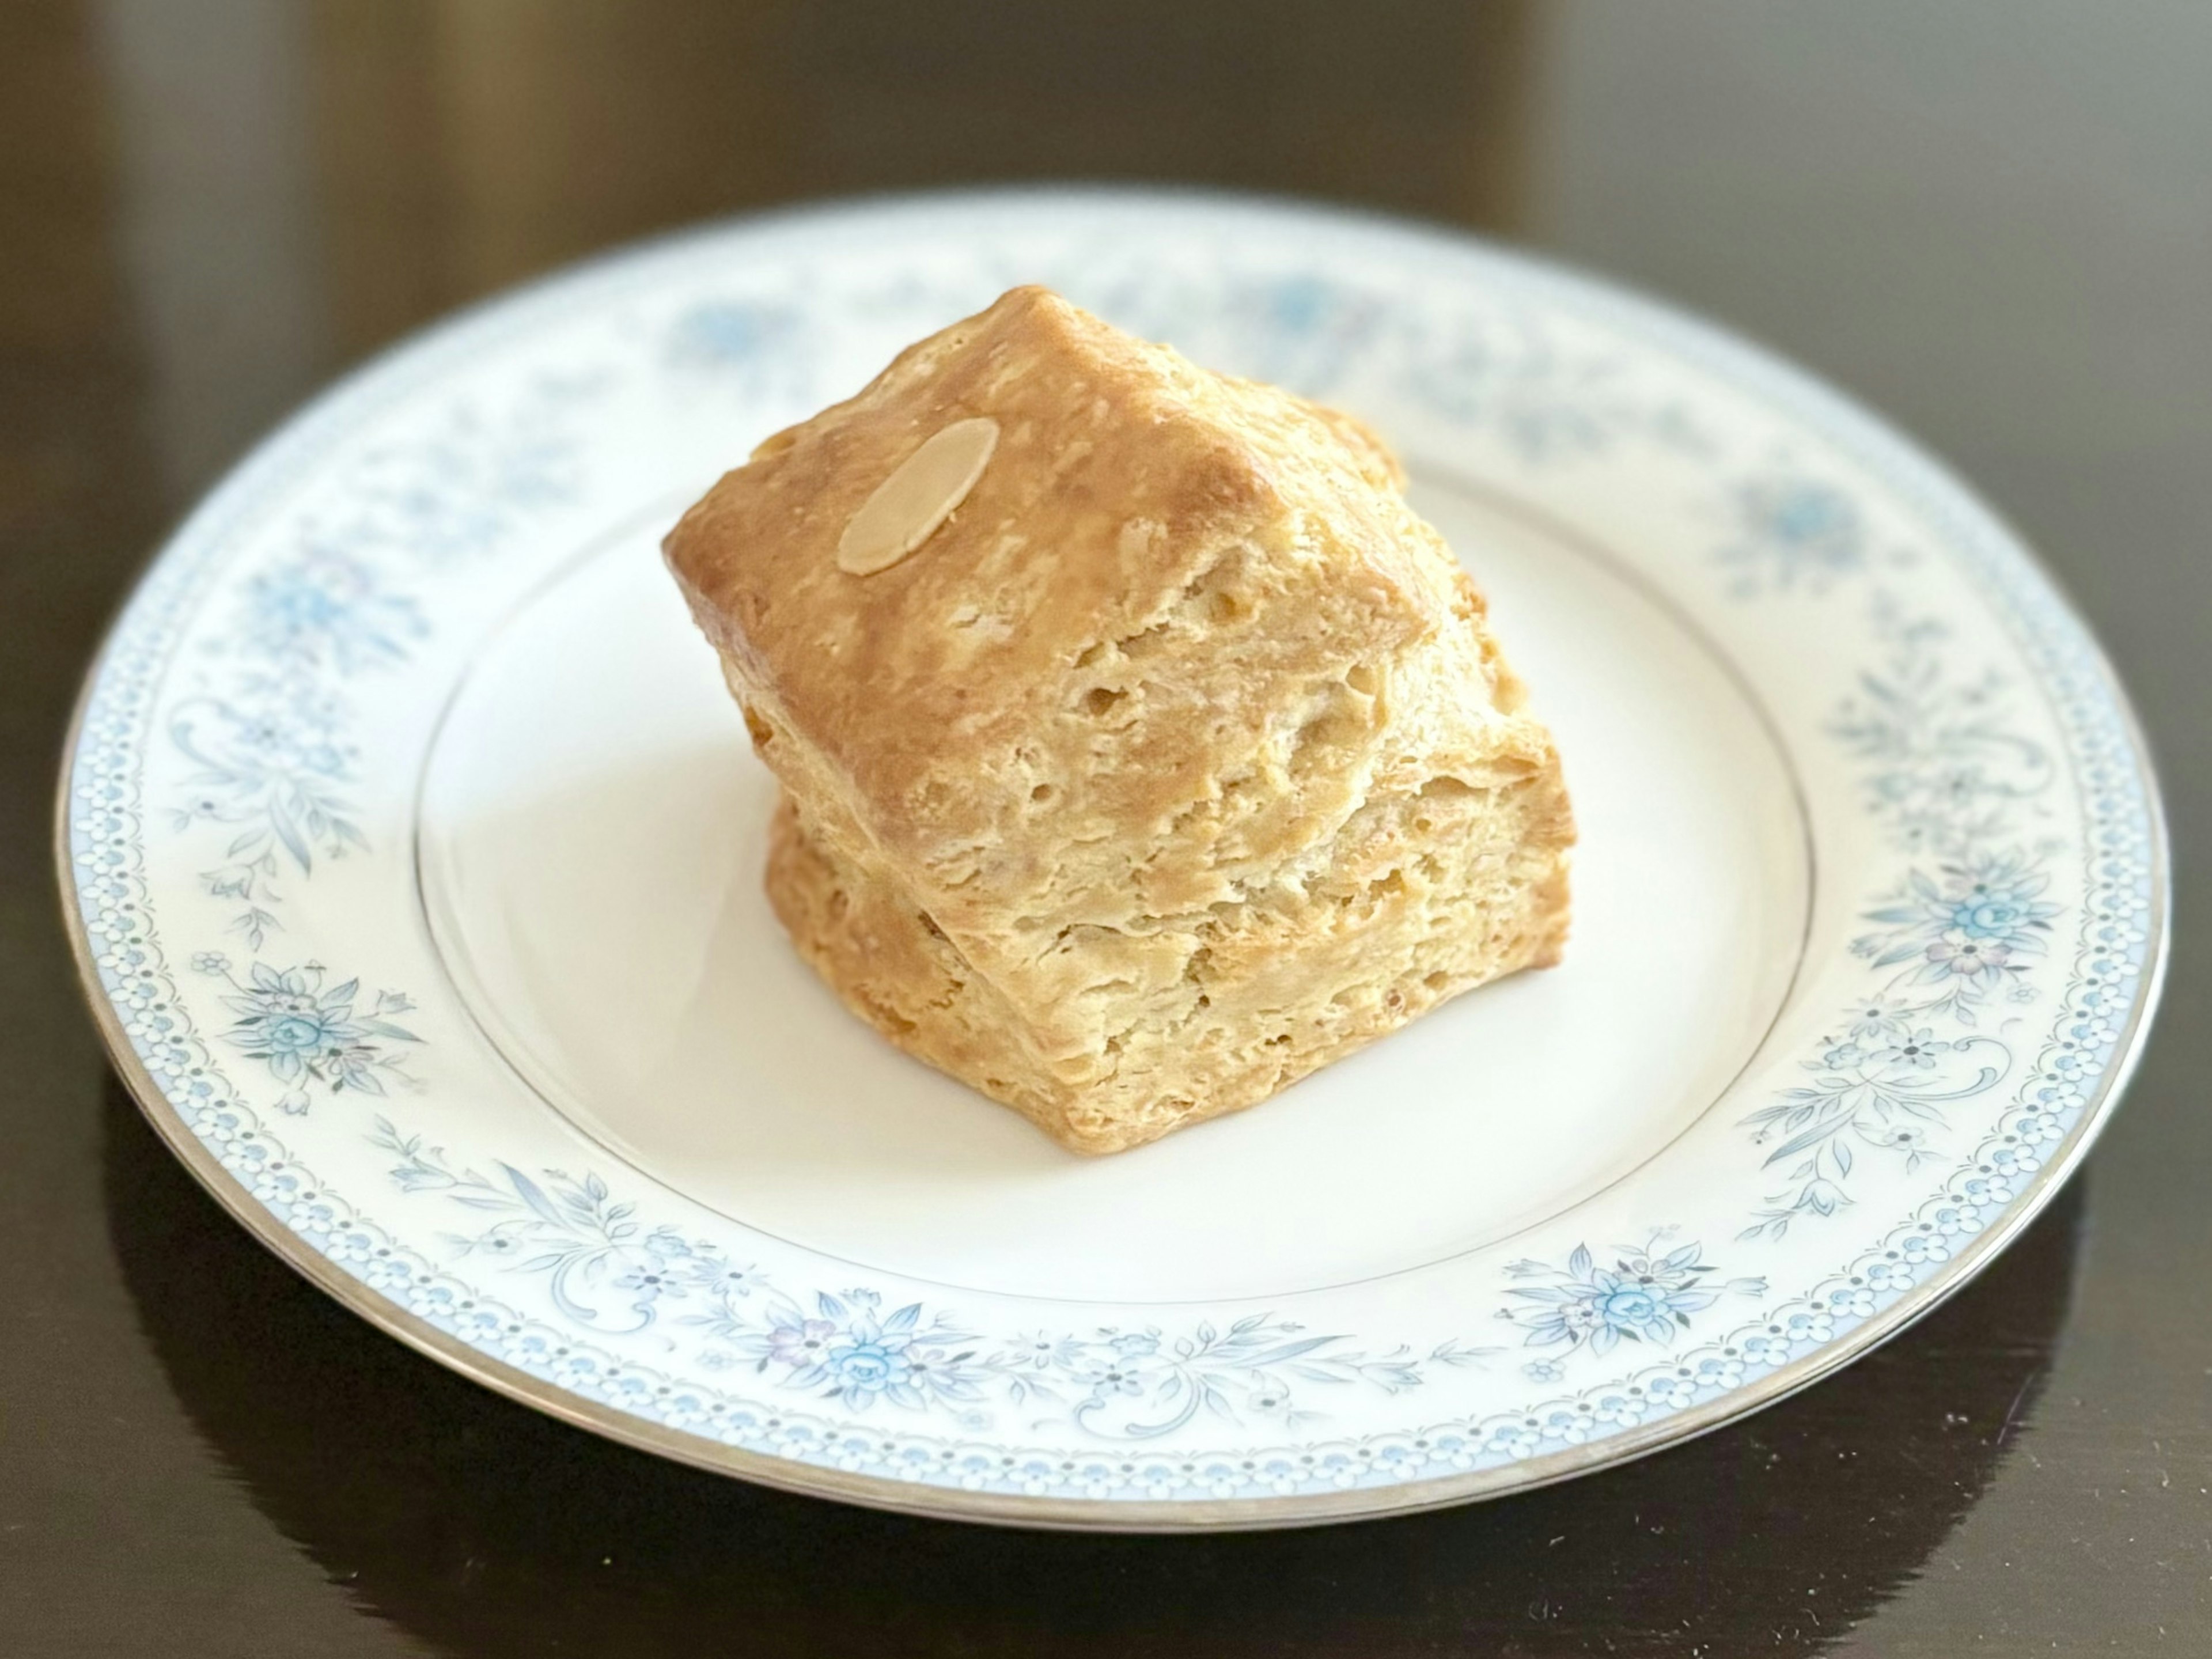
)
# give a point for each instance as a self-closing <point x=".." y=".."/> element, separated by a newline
<point x="466" y="488"/>
<point x="271" y="630"/>
<point x="310" y="1034"/>
<point x="1947" y="774"/>
<point x="326" y="608"/>
<point x="1547" y="401"/>
<point x="753" y="349"/>
<point x="270" y="734"/>
<point x="1647" y="1295"/>
<point x="1970" y="930"/>
<point x="272" y="773"/>
<point x="1945" y="769"/>
<point x="1794" y="532"/>
<point x="605" y="1267"/>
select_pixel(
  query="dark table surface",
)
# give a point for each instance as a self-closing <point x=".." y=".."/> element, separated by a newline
<point x="1993" y="221"/>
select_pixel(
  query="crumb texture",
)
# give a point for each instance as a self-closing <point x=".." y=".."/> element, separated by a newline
<point x="1177" y="762"/>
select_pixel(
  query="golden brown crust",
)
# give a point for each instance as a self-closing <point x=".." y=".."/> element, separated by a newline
<point x="1181" y="746"/>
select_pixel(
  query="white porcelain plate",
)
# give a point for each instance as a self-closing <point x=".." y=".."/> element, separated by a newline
<point x="415" y="850"/>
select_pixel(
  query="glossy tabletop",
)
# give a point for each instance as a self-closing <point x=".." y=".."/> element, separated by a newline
<point x="1992" y="219"/>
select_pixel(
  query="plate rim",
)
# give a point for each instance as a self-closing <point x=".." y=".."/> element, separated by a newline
<point x="1803" y="390"/>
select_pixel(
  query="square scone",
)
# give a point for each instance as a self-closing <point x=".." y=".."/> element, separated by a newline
<point x="1142" y="750"/>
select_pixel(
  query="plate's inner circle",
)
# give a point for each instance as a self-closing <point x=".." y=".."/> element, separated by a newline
<point x="591" y="837"/>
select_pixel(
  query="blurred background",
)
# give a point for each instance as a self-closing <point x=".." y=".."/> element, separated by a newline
<point x="1992" y="219"/>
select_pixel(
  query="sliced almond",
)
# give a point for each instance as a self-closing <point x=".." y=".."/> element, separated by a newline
<point x="907" y="507"/>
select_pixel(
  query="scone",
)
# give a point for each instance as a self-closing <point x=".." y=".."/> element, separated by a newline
<point x="1141" y="750"/>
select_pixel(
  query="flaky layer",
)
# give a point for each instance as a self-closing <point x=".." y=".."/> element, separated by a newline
<point x="1420" y="896"/>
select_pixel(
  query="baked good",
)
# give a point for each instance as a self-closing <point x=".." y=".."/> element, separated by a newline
<point x="1141" y="750"/>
